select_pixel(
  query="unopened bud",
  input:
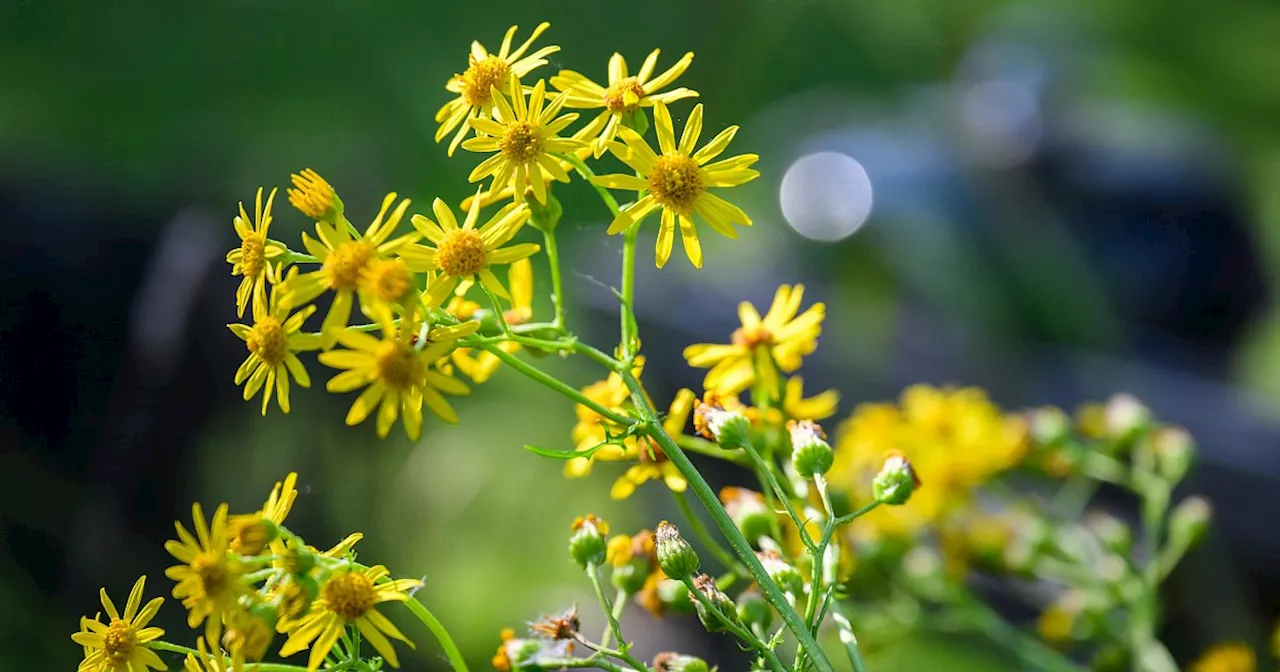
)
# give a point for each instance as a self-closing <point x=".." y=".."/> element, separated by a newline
<point x="545" y="217"/>
<point x="787" y="577"/>
<point x="1126" y="416"/>
<point x="1175" y="451"/>
<point x="1189" y="522"/>
<point x="674" y="595"/>
<point x="754" y="611"/>
<point x="293" y="597"/>
<point x="675" y="556"/>
<point x="810" y="452"/>
<point x="587" y="545"/>
<point x="725" y="609"/>
<point x="675" y="662"/>
<point x="749" y="512"/>
<point x="1049" y="426"/>
<point x="720" y="420"/>
<point x="896" y="480"/>
<point x="1111" y="532"/>
<point x="252" y="533"/>
<point x="297" y="559"/>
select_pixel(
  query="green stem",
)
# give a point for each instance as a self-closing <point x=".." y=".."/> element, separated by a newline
<point x="723" y="556"/>
<point x="702" y="490"/>
<point x="847" y="637"/>
<point x="557" y="289"/>
<point x="738" y="631"/>
<point x="773" y="483"/>
<point x="593" y="663"/>
<point x="437" y="630"/>
<point x="701" y="446"/>
<point x="498" y="313"/>
<point x="628" y="294"/>
<point x="619" y="604"/>
<point x="589" y="175"/>
<point x="161" y="645"/>
<point x="555" y="384"/>
<point x="593" y="571"/>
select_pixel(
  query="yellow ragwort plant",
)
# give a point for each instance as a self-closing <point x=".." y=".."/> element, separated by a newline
<point x="886" y="525"/>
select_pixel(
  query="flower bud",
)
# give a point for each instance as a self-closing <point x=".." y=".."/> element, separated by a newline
<point x="675" y="662"/>
<point x="810" y="452"/>
<point x="587" y="546"/>
<point x="1111" y="532"/>
<point x="545" y="217"/>
<point x="749" y="513"/>
<point x="637" y="120"/>
<point x="1049" y="426"/>
<point x="1189" y="522"/>
<point x="721" y="419"/>
<point x="787" y="577"/>
<point x="250" y="632"/>
<point x="674" y="595"/>
<point x="896" y="480"/>
<point x="1126" y="417"/>
<point x="252" y="533"/>
<point x="724" y="607"/>
<point x="1175" y="451"/>
<point x="293" y="597"/>
<point x="297" y="559"/>
<point x="754" y="611"/>
<point x="675" y="556"/>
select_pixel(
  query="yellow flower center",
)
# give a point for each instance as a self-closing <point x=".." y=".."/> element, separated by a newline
<point x="521" y="142"/>
<point x="750" y="338"/>
<point x="343" y="266"/>
<point x="267" y="340"/>
<point x="399" y="366"/>
<point x="253" y="255"/>
<point x="387" y="280"/>
<point x="119" y="640"/>
<point x="480" y="77"/>
<point x="349" y="595"/>
<point x="314" y="197"/>
<point x="623" y="96"/>
<point x="214" y="577"/>
<point x="676" y="182"/>
<point x="461" y="253"/>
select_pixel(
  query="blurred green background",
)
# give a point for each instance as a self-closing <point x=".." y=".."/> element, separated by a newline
<point x="1065" y="198"/>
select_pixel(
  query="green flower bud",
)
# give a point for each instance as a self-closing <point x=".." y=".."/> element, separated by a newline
<point x="725" y="609"/>
<point x="675" y="556"/>
<point x="896" y="481"/>
<point x="1112" y="533"/>
<point x="749" y="512"/>
<point x="1189" y="522"/>
<point x="587" y="545"/>
<point x="1126" y="417"/>
<point x="754" y="611"/>
<point x="727" y="426"/>
<point x="674" y="662"/>
<point x="636" y="120"/>
<point x="787" y="577"/>
<point x="630" y="576"/>
<point x="251" y="533"/>
<point x="1049" y="426"/>
<point x="297" y="560"/>
<point x="675" y="596"/>
<point x="1175" y="452"/>
<point x="810" y="452"/>
<point x="545" y="217"/>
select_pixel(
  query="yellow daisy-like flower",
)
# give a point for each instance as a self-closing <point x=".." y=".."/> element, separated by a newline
<point x="818" y="407"/>
<point x="209" y="580"/>
<point x="653" y="464"/>
<point x="272" y="341"/>
<point x="211" y="663"/>
<point x="343" y="262"/>
<point x="593" y="429"/>
<point x="781" y="338"/>
<point x="485" y="72"/>
<point x="479" y="365"/>
<point x="120" y="644"/>
<point x="315" y="197"/>
<point x="624" y="94"/>
<point x="251" y="533"/>
<point x="348" y="597"/>
<point x="252" y="258"/>
<point x="397" y="374"/>
<point x="1231" y="657"/>
<point x="462" y="253"/>
<point x="524" y="140"/>
<point x="678" y="182"/>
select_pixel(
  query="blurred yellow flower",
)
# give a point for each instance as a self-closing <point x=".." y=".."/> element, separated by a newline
<point x="343" y="260"/>
<point x="462" y="253"/>
<point x="217" y="662"/>
<point x="624" y="94"/>
<point x="677" y="181"/>
<point x="397" y="373"/>
<point x="781" y="338"/>
<point x="348" y="597"/>
<point x="592" y="429"/>
<point x="249" y="533"/>
<point x="272" y="341"/>
<point x="209" y="578"/>
<point x="1230" y="657"/>
<point x="479" y="365"/>
<point x="120" y="644"/>
<point x="954" y="438"/>
<point x="524" y="140"/>
<point x="818" y="407"/>
<point x="252" y="258"/>
<point x="485" y="72"/>
<point x="652" y="463"/>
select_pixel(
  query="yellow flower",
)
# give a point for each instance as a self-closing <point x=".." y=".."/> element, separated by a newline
<point x="485" y="72"/>
<point x="209" y="580"/>
<point x="347" y="598"/>
<point x="398" y="374"/>
<point x="387" y="286"/>
<point x="314" y="197"/>
<point x="479" y="365"/>
<point x="252" y="258"/>
<point x="624" y="94"/>
<point x="272" y="341"/>
<point x="524" y="141"/>
<point x="463" y="252"/>
<point x="955" y="439"/>
<point x="120" y="644"/>
<point x="819" y="407"/>
<point x="652" y="462"/>
<point x="343" y="260"/>
<point x="1231" y="657"/>
<point x="211" y="663"/>
<point x="592" y="429"/>
<point x="678" y="183"/>
<point x="780" y="338"/>
<point x="250" y="533"/>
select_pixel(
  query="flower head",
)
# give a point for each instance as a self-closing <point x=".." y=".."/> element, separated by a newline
<point x="251" y="533"/>
<point x="1230" y="657"/>
<point x="397" y="373"/>
<point x="677" y="182"/>
<point x="349" y="597"/>
<point x="781" y="338"/>
<point x="252" y="258"/>
<point x="818" y="407"/>
<point x="463" y="253"/>
<point x="209" y="580"/>
<point x="486" y="71"/>
<point x="343" y="263"/>
<point x="273" y="341"/>
<point x="624" y="94"/>
<point x="204" y="661"/>
<point x="593" y="431"/>
<point x="314" y="197"/>
<point x="652" y="463"/>
<point x="120" y="644"/>
<point x="524" y="140"/>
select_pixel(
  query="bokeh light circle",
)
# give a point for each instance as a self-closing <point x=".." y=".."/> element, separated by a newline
<point x="826" y="196"/>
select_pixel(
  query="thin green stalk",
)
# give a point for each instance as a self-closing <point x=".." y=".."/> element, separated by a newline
<point x="773" y="483"/>
<point x="557" y="289"/>
<point x="702" y="446"/>
<point x="555" y="384"/>
<point x="847" y="637"/>
<point x="161" y="645"/>
<point x="593" y="663"/>
<point x="702" y="490"/>
<point x="498" y="313"/>
<point x="593" y="572"/>
<point x="628" y="294"/>
<point x="738" y="631"/>
<point x="437" y="630"/>
<point x="723" y="556"/>
<point x="619" y="604"/>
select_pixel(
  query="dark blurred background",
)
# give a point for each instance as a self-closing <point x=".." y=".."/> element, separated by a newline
<point x="1054" y="200"/>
